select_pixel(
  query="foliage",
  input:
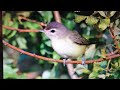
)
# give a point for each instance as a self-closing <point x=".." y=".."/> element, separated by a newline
<point x="93" y="27"/>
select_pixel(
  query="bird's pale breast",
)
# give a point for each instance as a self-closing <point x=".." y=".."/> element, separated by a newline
<point x="68" y="49"/>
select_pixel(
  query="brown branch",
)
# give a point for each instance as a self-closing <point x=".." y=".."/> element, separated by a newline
<point x="20" y="30"/>
<point x="60" y="61"/>
<point x="111" y="31"/>
<point x="24" y="18"/>
<point x="57" y="16"/>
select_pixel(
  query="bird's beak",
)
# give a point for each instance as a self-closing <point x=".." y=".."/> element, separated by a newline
<point x="42" y="31"/>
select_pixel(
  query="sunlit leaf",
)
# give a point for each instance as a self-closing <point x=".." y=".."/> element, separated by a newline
<point x="22" y="42"/>
<point x="86" y="71"/>
<point x="102" y="76"/>
<point x="91" y="20"/>
<point x="93" y="75"/>
<point x="9" y="72"/>
<point x="102" y="13"/>
<point x="112" y="13"/>
<point x="56" y="56"/>
<point x="103" y="53"/>
<point x="46" y="74"/>
<point x="79" y="18"/>
<point x="104" y="23"/>
<point x="97" y="67"/>
<point x="24" y="13"/>
<point x="48" y="43"/>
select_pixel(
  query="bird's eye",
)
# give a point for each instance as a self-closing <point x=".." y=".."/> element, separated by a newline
<point x="52" y="31"/>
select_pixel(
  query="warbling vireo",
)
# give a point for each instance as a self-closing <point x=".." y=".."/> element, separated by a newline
<point x="68" y="44"/>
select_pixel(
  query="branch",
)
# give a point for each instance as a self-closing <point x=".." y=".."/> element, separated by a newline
<point x="20" y="30"/>
<point x="113" y="36"/>
<point x="60" y="61"/>
<point x="24" y="18"/>
<point x="57" y="16"/>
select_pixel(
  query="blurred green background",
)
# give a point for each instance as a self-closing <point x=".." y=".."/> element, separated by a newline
<point x="92" y="26"/>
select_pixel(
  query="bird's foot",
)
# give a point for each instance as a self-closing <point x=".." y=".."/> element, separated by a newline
<point x="64" y="62"/>
<point x="83" y="60"/>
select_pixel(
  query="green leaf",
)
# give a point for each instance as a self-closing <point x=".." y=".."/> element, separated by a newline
<point x="48" y="43"/>
<point x="91" y="20"/>
<point x="56" y="56"/>
<point x="31" y="25"/>
<point x="6" y="19"/>
<point x="86" y="71"/>
<point x="15" y="25"/>
<point x="103" y="64"/>
<point x="97" y="67"/>
<point x="47" y="15"/>
<point x="103" y="53"/>
<point x="9" y="72"/>
<point x="93" y="75"/>
<point x="68" y="23"/>
<point x="104" y="23"/>
<point x="22" y="42"/>
<point x="102" y="13"/>
<point x="79" y="18"/>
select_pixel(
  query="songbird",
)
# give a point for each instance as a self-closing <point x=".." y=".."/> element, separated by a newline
<point x="68" y="44"/>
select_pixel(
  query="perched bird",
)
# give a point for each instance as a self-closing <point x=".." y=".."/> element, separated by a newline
<point x="68" y="44"/>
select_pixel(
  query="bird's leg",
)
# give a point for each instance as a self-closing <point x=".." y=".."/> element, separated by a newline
<point x="83" y="60"/>
<point x="64" y="61"/>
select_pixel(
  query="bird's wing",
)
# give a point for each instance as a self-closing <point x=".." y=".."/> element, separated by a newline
<point x="77" y="38"/>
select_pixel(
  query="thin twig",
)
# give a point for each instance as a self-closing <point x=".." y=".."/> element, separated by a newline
<point x="111" y="31"/>
<point x="24" y="18"/>
<point x="107" y="68"/>
<point x="20" y="30"/>
<point x="57" y="16"/>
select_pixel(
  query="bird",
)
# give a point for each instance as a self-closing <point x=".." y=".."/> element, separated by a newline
<point x="68" y="44"/>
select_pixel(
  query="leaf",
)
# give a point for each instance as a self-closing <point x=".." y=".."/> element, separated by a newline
<point x="15" y="25"/>
<point x="103" y="64"/>
<point x="9" y="72"/>
<point x="56" y="56"/>
<point x="86" y="71"/>
<point x="103" y="53"/>
<point x="68" y="23"/>
<point x="93" y="75"/>
<point x="47" y="15"/>
<point x="112" y="13"/>
<point x="22" y="42"/>
<point x="46" y="74"/>
<point x="79" y="18"/>
<point x="117" y="22"/>
<point x="24" y="13"/>
<point x="91" y="20"/>
<point x="90" y="51"/>
<point x="104" y="23"/>
<point x="31" y="25"/>
<point x="48" y="43"/>
<point x="97" y="67"/>
<point x="102" y="13"/>
<point x="102" y="76"/>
